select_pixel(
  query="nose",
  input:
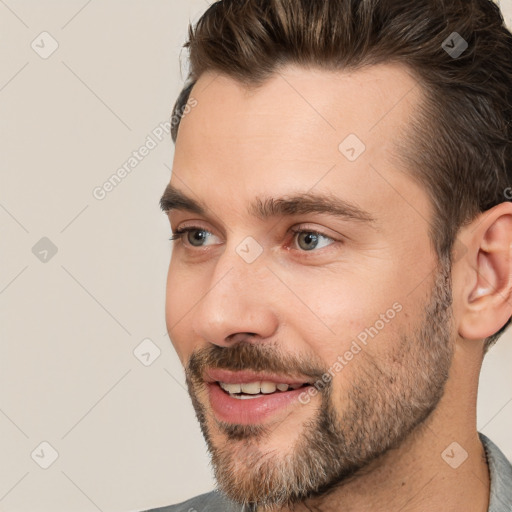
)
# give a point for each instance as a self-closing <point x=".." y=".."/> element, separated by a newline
<point x="237" y="301"/>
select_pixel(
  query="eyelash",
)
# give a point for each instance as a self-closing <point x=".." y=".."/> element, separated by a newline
<point x="180" y="234"/>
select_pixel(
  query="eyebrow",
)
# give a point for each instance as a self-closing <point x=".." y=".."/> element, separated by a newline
<point x="264" y="208"/>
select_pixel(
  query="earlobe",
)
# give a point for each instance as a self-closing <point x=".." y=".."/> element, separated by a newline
<point x="487" y="304"/>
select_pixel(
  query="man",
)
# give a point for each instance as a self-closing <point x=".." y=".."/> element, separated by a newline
<point x="342" y="251"/>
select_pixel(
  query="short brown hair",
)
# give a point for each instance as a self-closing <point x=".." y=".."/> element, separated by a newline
<point x="458" y="144"/>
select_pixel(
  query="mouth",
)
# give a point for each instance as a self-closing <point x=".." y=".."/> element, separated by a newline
<point x="248" y="390"/>
<point x="249" y="397"/>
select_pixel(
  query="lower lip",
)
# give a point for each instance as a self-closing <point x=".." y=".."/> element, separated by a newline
<point x="251" y="410"/>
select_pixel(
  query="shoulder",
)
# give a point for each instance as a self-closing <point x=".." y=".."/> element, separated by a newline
<point x="209" y="502"/>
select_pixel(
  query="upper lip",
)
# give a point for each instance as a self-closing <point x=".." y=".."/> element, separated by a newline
<point x="246" y="376"/>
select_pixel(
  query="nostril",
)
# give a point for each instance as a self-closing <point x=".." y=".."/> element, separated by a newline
<point x="240" y="336"/>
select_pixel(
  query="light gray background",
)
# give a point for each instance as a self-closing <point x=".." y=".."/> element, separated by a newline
<point x="125" y="433"/>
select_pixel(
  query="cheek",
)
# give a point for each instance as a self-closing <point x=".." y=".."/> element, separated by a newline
<point x="334" y="315"/>
<point x="179" y="304"/>
<point x="354" y="313"/>
<point x="345" y="304"/>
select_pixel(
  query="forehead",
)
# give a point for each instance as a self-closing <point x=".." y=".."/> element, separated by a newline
<point x="369" y="101"/>
<point x="302" y="129"/>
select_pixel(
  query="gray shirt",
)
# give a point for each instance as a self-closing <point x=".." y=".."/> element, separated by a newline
<point x="500" y="473"/>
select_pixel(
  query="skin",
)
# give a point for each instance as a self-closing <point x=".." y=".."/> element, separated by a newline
<point x="283" y="138"/>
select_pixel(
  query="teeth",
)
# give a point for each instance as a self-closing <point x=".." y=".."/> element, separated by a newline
<point x="268" y="387"/>
<point x="251" y="388"/>
<point x="231" y="388"/>
<point x="255" y="388"/>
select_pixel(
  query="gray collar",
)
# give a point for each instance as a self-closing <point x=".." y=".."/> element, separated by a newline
<point x="500" y="475"/>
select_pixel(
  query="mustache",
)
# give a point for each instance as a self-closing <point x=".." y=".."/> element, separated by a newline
<point x="256" y="357"/>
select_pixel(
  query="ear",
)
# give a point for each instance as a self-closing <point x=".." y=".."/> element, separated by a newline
<point x="486" y="301"/>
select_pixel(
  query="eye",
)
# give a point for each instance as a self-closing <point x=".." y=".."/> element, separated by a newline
<point x="309" y="240"/>
<point x="199" y="235"/>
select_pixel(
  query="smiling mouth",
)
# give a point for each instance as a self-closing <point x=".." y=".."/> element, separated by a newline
<point x="247" y="397"/>
<point x="248" y="390"/>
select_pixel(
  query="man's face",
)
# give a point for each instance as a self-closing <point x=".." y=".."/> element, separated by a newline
<point x="354" y="305"/>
